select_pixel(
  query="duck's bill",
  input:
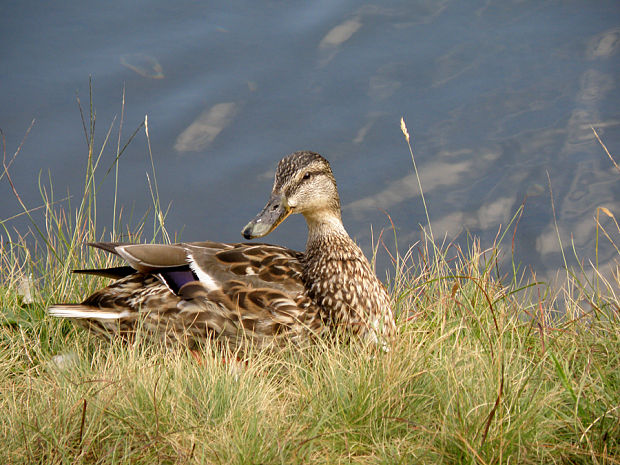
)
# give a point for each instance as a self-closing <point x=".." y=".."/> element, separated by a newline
<point x="268" y="219"/>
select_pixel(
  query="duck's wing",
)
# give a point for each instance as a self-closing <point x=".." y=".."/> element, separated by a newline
<point x="168" y="262"/>
<point x="257" y="265"/>
<point x="249" y="291"/>
<point x="109" y="247"/>
<point x="116" y="272"/>
<point x="210" y="289"/>
<point x="213" y="264"/>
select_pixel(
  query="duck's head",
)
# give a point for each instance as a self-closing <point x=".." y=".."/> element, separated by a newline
<point x="304" y="183"/>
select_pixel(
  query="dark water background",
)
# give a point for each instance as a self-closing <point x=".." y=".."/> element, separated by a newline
<point x="496" y="94"/>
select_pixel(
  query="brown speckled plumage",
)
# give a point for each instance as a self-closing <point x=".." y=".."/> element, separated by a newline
<point x="339" y="279"/>
<point x="258" y="293"/>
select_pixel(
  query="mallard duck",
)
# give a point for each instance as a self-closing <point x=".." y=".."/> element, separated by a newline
<point x="248" y="292"/>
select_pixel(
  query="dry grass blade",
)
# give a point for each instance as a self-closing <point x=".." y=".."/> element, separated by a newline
<point x="605" y="148"/>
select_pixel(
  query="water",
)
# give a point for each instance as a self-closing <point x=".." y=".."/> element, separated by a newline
<point x="498" y="96"/>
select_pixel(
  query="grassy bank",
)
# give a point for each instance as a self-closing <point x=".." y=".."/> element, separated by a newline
<point x="486" y="369"/>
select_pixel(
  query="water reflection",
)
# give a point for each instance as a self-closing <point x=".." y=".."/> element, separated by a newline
<point x="340" y="34"/>
<point x="604" y="45"/>
<point x="145" y="65"/>
<point x="436" y="175"/>
<point x="204" y="129"/>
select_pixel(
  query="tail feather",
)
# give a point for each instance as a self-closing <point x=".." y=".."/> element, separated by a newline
<point x="109" y="247"/>
<point x="117" y="272"/>
<point x="85" y="311"/>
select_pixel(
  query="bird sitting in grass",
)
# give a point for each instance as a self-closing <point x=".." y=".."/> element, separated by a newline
<point x="248" y="293"/>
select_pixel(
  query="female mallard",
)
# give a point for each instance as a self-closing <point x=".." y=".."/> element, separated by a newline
<point x="255" y="293"/>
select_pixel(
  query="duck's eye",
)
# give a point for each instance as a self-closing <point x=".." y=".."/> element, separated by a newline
<point x="306" y="176"/>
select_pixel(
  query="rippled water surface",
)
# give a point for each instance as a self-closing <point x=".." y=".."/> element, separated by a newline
<point x="499" y="97"/>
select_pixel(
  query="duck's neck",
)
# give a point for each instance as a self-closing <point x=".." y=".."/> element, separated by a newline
<point x="322" y="225"/>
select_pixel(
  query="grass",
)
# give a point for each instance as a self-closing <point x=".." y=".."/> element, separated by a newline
<point x="486" y="369"/>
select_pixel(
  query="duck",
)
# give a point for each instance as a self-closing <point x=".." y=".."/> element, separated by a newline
<point x="247" y="293"/>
